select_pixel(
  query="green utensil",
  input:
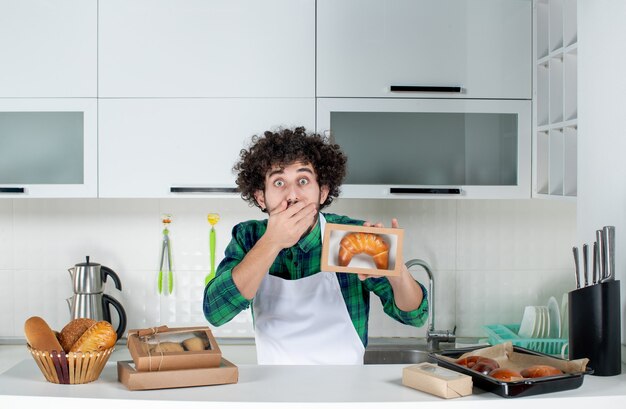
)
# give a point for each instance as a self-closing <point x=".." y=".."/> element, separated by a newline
<point x="166" y="250"/>
<point x="213" y="218"/>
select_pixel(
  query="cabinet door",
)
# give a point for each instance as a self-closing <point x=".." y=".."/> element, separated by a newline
<point x="48" y="147"/>
<point x="207" y="48"/>
<point x="48" y="48"/>
<point x="431" y="148"/>
<point x="366" y="46"/>
<point x="149" y="146"/>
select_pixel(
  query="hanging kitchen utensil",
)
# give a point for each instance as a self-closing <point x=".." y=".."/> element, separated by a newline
<point x="213" y="218"/>
<point x="166" y="251"/>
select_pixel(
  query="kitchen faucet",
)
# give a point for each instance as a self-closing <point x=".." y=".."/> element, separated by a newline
<point x="433" y="336"/>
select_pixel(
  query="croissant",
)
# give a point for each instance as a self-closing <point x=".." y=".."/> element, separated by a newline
<point x="368" y="243"/>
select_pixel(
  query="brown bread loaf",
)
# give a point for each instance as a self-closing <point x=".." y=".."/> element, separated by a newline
<point x="98" y="337"/>
<point x="40" y="336"/>
<point x="73" y="331"/>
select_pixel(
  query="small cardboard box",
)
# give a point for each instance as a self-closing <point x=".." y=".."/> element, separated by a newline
<point x="136" y="380"/>
<point x="433" y="379"/>
<point x="163" y="348"/>
<point x="361" y="263"/>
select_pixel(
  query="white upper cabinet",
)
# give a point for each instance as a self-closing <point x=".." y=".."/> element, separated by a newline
<point x="364" y="47"/>
<point x="48" y="48"/>
<point x="207" y="48"/>
<point x="170" y="147"/>
<point x="48" y="147"/>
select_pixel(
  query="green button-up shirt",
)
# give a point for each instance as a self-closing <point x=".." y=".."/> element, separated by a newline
<point x="223" y="301"/>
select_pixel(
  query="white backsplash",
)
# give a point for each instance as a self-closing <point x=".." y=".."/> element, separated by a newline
<point x="490" y="257"/>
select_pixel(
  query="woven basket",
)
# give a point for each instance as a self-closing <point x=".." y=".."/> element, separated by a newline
<point x="73" y="367"/>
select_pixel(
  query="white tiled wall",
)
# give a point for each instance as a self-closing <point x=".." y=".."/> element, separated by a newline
<point x="490" y="257"/>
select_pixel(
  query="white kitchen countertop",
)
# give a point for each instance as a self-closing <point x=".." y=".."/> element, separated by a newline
<point x="368" y="386"/>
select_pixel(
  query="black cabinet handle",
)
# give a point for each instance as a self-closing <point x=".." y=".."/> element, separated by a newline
<point x="11" y="190"/>
<point x="425" y="190"/>
<point x="176" y="189"/>
<point x="424" y="88"/>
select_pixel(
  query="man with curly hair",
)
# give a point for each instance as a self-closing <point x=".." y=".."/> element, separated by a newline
<point x="301" y="315"/>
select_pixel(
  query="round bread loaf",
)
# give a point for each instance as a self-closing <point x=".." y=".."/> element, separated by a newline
<point x="40" y="336"/>
<point x="167" y="347"/>
<point x="505" y="374"/>
<point x="194" y="344"/>
<point x="98" y="337"/>
<point x="539" y="371"/>
<point x="73" y="331"/>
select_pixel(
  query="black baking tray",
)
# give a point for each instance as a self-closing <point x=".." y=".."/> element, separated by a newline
<point x="514" y="389"/>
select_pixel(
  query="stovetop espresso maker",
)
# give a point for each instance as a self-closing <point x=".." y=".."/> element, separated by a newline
<point x="89" y="300"/>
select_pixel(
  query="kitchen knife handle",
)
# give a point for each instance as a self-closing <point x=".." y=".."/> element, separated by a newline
<point x="12" y="190"/>
<point x="425" y="88"/>
<point x="586" y="263"/>
<point x="577" y="266"/>
<point x="608" y="233"/>
<point x="200" y="189"/>
<point x="596" y="263"/>
<point x="601" y="254"/>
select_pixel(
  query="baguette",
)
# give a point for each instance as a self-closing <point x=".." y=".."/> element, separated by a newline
<point x="40" y="336"/>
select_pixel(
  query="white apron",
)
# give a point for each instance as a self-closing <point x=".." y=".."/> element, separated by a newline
<point x="304" y="321"/>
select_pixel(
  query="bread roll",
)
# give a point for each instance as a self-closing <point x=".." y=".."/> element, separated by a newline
<point x="468" y="361"/>
<point x="539" y="371"/>
<point x="40" y="336"/>
<point x="167" y="347"/>
<point x="368" y="243"/>
<point x="485" y="365"/>
<point x="195" y="344"/>
<point x="505" y="374"/>
<point x="73" y="331"/>
<point x="98" y="337"/>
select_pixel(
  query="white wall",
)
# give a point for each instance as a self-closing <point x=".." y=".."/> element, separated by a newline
<point x="490" y="257"/>
<point x="601" y="130"/>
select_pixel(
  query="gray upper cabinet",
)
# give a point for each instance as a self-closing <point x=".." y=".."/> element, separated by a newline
<point x="48" y="48"/>
<point x="364" y="47"/>
<point x="207" y="48"/>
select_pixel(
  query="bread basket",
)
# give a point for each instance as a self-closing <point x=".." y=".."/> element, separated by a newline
<point x="72" y="367"/>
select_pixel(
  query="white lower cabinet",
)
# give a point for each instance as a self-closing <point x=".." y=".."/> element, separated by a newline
<point x="48" y="147"/>
<point x="159" y="148"/>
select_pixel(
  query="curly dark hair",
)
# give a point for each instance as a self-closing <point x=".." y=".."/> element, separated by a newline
<point x="283" y="148"/>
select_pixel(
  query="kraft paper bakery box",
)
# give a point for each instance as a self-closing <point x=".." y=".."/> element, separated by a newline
<point x="162" y="348"/>
<point x="136" y="380"/>
<point x="431" y="378"/>
<point x="362" y="250"/>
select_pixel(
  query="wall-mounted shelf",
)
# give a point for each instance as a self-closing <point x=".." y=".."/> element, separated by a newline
<point x="555" y="102"/>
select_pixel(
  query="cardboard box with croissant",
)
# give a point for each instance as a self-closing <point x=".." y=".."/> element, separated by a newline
<point x="362" y="250"/>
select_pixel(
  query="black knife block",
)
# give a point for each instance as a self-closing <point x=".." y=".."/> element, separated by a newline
<point x="595" y="327"/>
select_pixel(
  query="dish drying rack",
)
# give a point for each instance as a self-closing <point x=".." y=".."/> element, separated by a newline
<point x="500" y="333"/>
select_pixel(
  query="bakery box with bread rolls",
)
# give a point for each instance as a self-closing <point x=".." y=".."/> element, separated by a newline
<point x="362" y="250"/>
<point x="174" y="358"/>
<point x="162" y="348"/>
<point x="511" y="371"/>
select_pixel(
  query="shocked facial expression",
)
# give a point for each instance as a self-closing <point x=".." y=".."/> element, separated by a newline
<point x="291" y="184"/>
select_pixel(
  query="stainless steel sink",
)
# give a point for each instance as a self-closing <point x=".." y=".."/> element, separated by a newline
<point x="394" y="355"/>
